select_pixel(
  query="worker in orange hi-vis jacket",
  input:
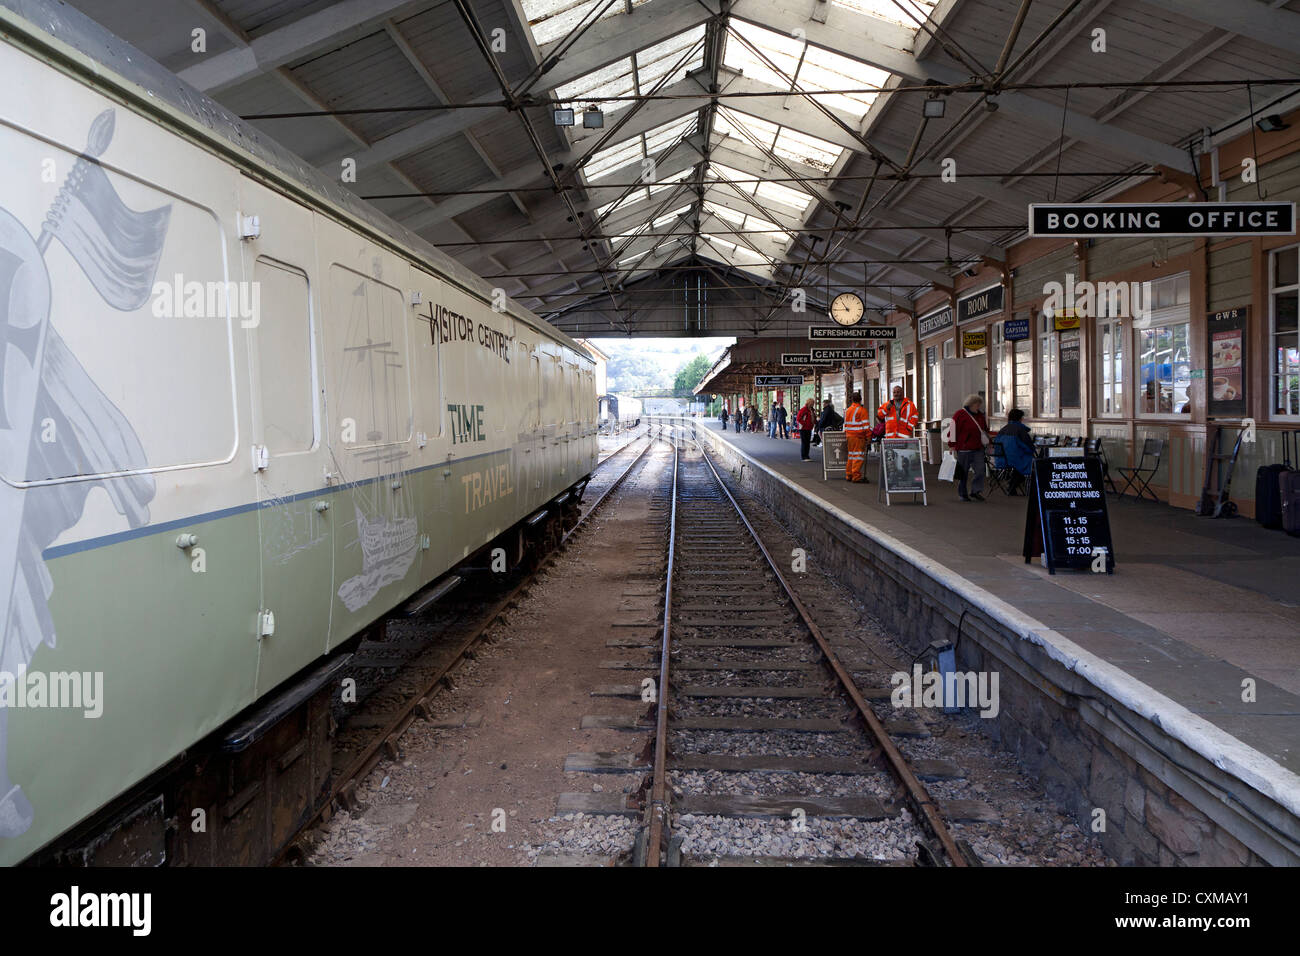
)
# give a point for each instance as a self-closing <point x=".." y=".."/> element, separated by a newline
<point x="857" y="428"/>
<point x="900" y="415"/>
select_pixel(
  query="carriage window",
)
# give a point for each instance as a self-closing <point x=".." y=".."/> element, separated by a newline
<point x="367" y="323"/>
<point x="131" y="329"/>
<point x="281" y="344"/>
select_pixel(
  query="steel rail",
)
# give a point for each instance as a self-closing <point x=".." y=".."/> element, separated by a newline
<point x="657" y="809"/>
<point x="924" y="805"/>
<point x="405" y="714"/>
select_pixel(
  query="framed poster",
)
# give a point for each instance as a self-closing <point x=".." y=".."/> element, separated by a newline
<point x="835" y="454"/>
<point x="1069" y="376"/>
<point x="900" y="469"/>
<point x="1227" y="373"/>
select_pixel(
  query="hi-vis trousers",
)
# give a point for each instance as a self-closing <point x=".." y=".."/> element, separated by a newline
<point x="856" y="467"/>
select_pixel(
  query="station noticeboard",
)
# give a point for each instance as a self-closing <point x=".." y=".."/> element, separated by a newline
<point x="1067" y="521"/>
<point x="1099" y="220"/>
<point x="852" y="332"/>
<point x="835" y="455"/>
<point x="778" y="381"/>
<point x="799" y="359"/>
<point x="843" y="355"/>
<point x="901" y="472"/>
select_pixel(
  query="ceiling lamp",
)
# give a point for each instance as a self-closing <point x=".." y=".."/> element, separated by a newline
<point x="934" y="107"/>
<point x="1270" y="124"/>
<point x="563" y="117"/>
<point x="593" y="118"/>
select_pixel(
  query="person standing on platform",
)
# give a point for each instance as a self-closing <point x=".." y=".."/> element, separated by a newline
<point x="856" y="422"/>
<point x="739" y="419"/>
<point x="782" y="419"/>
<point x="970" y="433"/>
<point x="830" y="420"/>
<point x="900" y="415"/>
<point x="804" y="419"/>
<point x="724" y="417"/>
<point x="771" y="420"/>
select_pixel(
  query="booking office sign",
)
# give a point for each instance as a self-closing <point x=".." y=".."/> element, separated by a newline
<point x="78" y="427"/>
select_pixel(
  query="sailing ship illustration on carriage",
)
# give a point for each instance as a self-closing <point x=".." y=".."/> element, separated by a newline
<point x="386" y="523"/>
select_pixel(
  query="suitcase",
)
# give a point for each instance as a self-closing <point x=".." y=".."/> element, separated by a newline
<point x="1268" y="489"/>
<point x="1289" y="491"/>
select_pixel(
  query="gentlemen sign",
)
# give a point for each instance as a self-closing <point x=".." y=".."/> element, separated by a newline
<point x="777" y="381"/>
<point x="1086" y="220"/>
<point x="934" y="323"/>
<point x="799" y="359"/>
<point x="842" y="355"/>
<point x="979" y="305"/>
<point x="857" y="332"/>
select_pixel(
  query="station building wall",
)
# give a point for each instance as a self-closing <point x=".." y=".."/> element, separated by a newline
<point x="1123" y="395"/>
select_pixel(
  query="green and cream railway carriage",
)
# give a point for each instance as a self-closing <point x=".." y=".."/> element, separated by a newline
<point x="244" y="416"/>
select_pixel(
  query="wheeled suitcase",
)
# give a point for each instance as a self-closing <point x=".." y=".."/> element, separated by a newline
<point x="1289" y="491"/>
<point x="1268" y="489"/>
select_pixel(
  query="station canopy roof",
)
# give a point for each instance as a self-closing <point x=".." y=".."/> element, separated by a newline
<point x="723" y="155"/>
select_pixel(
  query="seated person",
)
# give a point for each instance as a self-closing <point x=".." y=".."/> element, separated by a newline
<point x="1016" y="443"/>
<point x="1016" y="428"/>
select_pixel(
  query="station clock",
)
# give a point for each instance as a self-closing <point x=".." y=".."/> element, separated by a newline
<point x="847" y="309"/>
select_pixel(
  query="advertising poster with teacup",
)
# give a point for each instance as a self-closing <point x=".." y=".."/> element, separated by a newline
<point x="1227" y="375"/>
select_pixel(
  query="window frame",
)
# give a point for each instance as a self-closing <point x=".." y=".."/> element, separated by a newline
<point x="1272" y="292"/>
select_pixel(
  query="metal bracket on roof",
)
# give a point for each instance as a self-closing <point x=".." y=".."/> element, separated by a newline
<point x="820" y="10"/>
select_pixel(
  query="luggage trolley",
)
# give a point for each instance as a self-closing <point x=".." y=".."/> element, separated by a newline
<point x="1214" y="501"/>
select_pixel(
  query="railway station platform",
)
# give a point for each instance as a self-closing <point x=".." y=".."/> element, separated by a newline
<point x="1166" y="695"/>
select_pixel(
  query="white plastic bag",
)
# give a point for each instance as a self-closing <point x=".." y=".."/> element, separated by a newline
<point x="948" y="467"/>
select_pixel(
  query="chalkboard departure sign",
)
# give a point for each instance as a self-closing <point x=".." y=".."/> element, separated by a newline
<point x="1067" y="519"/>
<point x="835" y="454"/>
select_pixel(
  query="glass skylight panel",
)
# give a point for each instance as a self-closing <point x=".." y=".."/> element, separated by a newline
<point x="672" y="180"/>
<point x="823" y="70"/>
<point x="612" y="80"/>
<point x="653" y="63"/>
<point x="670" y="216"/>
<point x="722" y="212"/>
<point x="613" y="157"/>
<point x="889" y="9"/>
<point x="553" y="19"/>
<point x="662" y="136"/>
<point x="718" y="171"/>
<point x="748" y="129"/>
<point x="775" y="192"/>
<point x="820" y="70"/>
<point x="809" y="150"/>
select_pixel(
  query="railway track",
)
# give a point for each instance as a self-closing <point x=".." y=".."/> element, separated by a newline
<point x="401" y="664"/>
<point x="753" y="715"/>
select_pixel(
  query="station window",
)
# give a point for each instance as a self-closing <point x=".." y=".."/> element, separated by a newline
<point x="1284" y="330"/>
<point x="1047" y="368"/>
<point x="932" y="383"/>
<point x="1163" y="347"/>
<point x="1024" y="368"/>
<point x="1000" y="364"/>
<point x="1110" y="359"/>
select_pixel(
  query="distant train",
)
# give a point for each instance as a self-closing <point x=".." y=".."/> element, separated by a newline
<point x="244" y="416"/>
<point x="618" y="412"/>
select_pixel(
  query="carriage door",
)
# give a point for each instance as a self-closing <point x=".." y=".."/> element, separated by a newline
<point x="294" y="514"/>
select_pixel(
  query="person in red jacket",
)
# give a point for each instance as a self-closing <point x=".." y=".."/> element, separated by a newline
<point x="804" y="419"/>
<point x="970" y="433"/>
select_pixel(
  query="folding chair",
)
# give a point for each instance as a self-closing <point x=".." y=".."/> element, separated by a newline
<point x="1139" y="478"/>
<point x="995" y="463"/>
<point x="1094" y="447"/>
<point x="1013" y="463"/>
